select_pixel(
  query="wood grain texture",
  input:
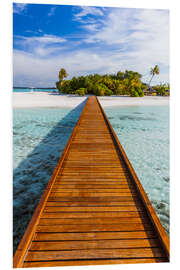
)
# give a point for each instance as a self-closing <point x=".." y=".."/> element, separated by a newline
<point x="94" y="235"/>
<point x="94" y="209"/>
<point x="93" y="262"/>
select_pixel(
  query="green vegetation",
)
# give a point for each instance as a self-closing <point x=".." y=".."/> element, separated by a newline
<point x="81" y="91"/>
<point x="162" y="89"/>
<point x="154" y="71"/>
<point x="122" y="83"/>
<point x="62" y="74"/>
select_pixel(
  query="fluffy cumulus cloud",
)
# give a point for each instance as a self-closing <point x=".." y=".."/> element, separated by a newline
<point x="44" y="71"/>
<point x="114" y="39"/>
<point x="141" y="36"/>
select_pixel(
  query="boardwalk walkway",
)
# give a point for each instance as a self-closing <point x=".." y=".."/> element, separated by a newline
<point x="94" y="209"/>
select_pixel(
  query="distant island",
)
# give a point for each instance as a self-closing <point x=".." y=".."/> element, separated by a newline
<point x="122" y="83"/>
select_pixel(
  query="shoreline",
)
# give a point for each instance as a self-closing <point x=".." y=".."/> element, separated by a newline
<point x="49" y="100"/>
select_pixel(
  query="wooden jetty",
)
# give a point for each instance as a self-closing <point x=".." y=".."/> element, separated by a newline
<point x="94" y="209"/>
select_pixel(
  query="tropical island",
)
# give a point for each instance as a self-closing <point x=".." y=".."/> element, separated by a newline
<point x="121" y="86"/>
<point x="127" y="83"/>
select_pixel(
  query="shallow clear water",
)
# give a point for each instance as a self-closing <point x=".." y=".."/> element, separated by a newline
<point x="144" y="135"/>
<point x="21" y="90"/>
<point x="40" y="136"/>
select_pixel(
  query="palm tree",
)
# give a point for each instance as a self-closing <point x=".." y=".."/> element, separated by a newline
<point x="62" y="74"/>
<point x="154" y="71"/>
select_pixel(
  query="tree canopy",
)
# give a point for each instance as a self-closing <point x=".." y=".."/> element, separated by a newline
<point x="122" y="83"/>
<point x="62" y="74"/>
<point x="154" y="71"/>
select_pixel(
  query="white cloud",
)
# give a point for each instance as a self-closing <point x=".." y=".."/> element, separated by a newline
<point x="42" y="46"/>
<point x="133" y="39"/>
<point x="87" y="22"/>
<point x="34" y="69"/>
<point x="77" y="63"/>
<point x="142" y="35"/>
<point x="45" y="39"/>
<point x="91" y="27"/>
<point x="88" y="11"/>
<point x="52" y="11"/>
<point x="31" y="31"/>
<point x="19" y="8"/>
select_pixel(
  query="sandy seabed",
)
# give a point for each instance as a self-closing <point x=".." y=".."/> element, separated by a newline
<point x="44" y="99"/>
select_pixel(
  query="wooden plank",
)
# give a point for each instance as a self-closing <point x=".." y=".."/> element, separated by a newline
<point x="103" y="170"/>
<point x="91" y="194"/>
<point x="94" y="254"/>
<point x="89" y="191"/>
<point x="94" y="244"/>
<point x="92" y="185"/>
<point x="91" y="214"/>
<point x="89" y="178"/>
<point x="94" y="164"/>
<point x="92" y="155"/>
<point x="86" y="221"/>
<point x="93" y="262"/>
<point x="94" y="204"/>
<point x="85" y="209"/>
<point x="94" y="228"/>
<point x="94" y="199"/>
<point x="94" y="235"/>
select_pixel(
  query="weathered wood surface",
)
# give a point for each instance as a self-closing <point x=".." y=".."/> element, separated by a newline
<point x="94" y="209"/>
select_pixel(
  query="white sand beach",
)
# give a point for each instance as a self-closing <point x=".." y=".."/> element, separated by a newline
<point x="133" y="101"/>
<point x="44" y="99"/>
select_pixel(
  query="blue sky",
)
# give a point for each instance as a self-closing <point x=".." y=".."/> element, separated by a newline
<point x="87" y="40"/>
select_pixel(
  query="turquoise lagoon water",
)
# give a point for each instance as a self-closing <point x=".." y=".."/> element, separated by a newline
<point x="21" y="90"/>
<point x="144" y="135"/>
<point x="40" y="135"/>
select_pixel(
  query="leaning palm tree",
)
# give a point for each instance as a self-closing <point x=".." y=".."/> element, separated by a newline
<point x="154" y="71"/>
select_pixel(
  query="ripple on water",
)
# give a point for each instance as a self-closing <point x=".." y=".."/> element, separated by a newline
<point x="145" y="139"/>
<point x="40" y="136"/>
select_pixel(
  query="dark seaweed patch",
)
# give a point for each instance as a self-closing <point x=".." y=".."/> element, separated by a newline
<point x="128" y="117"/>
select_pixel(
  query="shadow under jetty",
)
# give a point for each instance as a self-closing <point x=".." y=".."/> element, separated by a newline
<point x="32" y="174"/>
